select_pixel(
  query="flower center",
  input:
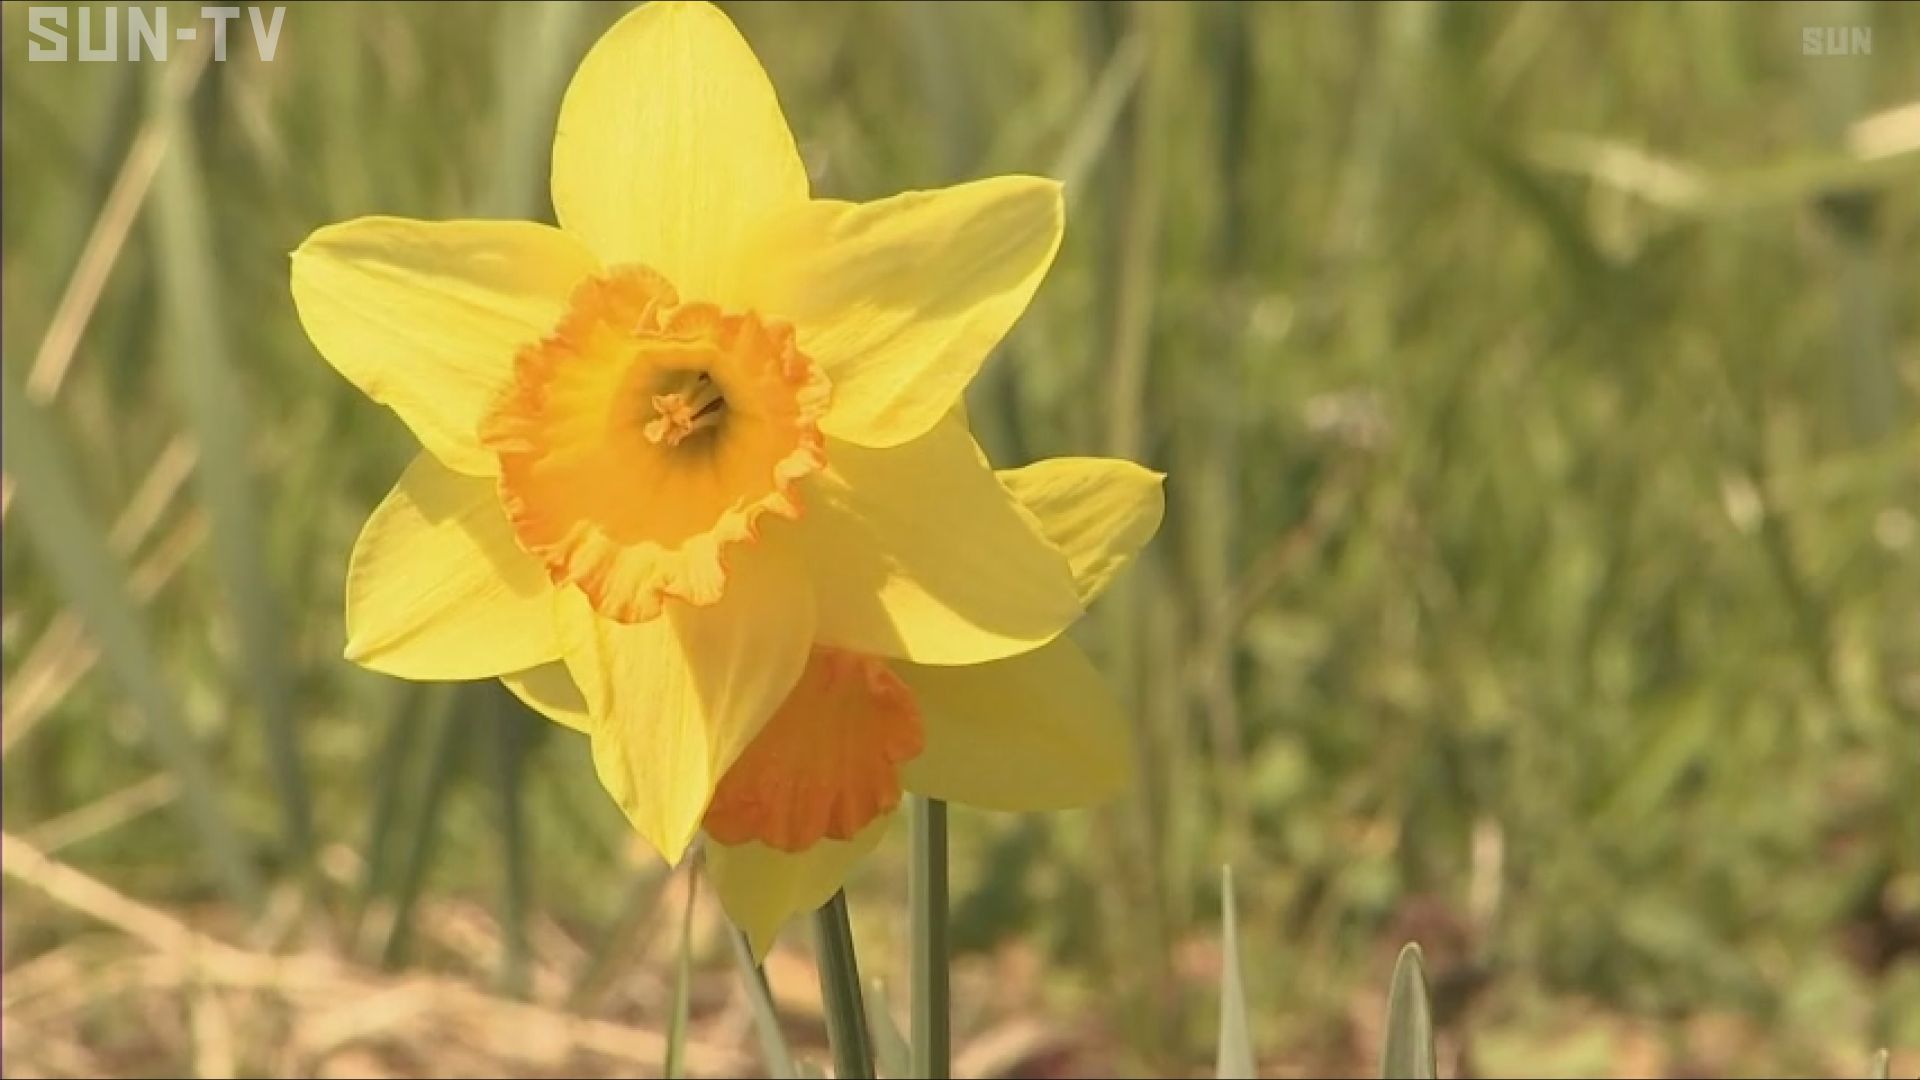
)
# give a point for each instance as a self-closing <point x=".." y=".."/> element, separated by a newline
<point x="827" y="764"/>
<point x="645" y="435"/>
<point x="677" y="415"/>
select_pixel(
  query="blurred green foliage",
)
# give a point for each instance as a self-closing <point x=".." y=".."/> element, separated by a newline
<point x="1538" y="388"/>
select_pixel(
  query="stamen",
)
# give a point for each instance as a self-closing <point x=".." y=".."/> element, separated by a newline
<point x="679" y="414"/>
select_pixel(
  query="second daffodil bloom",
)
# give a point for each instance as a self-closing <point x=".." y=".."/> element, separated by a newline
<point x="815" y="790"/>
<point x="702" y="429"/>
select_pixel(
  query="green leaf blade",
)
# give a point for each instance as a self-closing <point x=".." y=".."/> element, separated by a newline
<point x="1409" y="1053"/>
<point x="892" y="1056"/>
<point x="1235" y="1057"/>
<point x="93" y="582"/>
<point x="197" y="345"/>
<point x="774" y="1051"/>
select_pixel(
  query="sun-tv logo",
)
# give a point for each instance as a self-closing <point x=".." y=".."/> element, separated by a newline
<point x="1836" y="41"/>
<point x="97" y="31"/>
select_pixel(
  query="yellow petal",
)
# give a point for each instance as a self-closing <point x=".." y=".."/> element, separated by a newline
<point x="671" y="146"/>
<point x="918" y="552"/>
<point x="551" y="692"/>
<point x="675" y="699"/>
<point x="900" y="300"/>
<point x="1040" y="731"/>
<point x="1098" y="511"/>
<point x="437" y="588"/>
<point x="425" y="317"/>
<point x="762" y="887"/>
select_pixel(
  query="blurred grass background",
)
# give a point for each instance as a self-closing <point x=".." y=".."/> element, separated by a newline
<point x="1541" y="579"/>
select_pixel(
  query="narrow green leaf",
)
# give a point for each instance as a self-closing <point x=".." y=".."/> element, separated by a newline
<point x="1235" y="1057"/>
<point x="1882" y="1063"/>
<point x="766" y="1021"/>
<point x="1144" y="916"/>
<point x="509" y="723"/>
<point x="91" y="579"/>
<point x="1093" y="131"/>
<point x="891" y="1054"/>
<point x="413" y="705"/>
<point x="682" y="982"/>
<point x="1409" y="1051"/>
<point x="840" y="991"/>
<point x="1549" y="208"/>
<point x="932" y="1013"/>
<point x="536" y="54"/>
<point x="447" y="745"/>
<point x="194" y="324"/>
<point x="1684" y="188"/>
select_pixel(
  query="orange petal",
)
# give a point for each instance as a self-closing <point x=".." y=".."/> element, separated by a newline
<point x="827" y="764"/>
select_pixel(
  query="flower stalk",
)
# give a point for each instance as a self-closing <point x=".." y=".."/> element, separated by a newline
<point x="840" y="991"/>
<point x="931" y="1037"/>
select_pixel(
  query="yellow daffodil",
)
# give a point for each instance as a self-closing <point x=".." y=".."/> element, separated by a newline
<point x="705" y="425"/>
<point x="816" y="788"/>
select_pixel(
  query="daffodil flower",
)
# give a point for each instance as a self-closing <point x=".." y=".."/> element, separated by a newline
<point x="705" y="426"/>
<point x="816" y="789"/>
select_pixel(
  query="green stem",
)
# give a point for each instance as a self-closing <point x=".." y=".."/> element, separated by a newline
<point x="683" y="982"/>
<point x="766" y="1021"/>
<point x="508" y="778"/>
<point x="448" y="745"/>
<point x="411" y="702"/>
<point x="931" y="1033"/>
<point x="840" y="990"/>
